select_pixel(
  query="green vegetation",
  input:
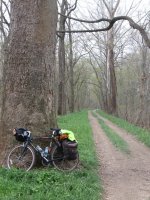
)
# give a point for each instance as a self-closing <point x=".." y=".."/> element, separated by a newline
<point x="50" y="184"/>
<point x="142" y="134"/>
<point x="116" y="140"/>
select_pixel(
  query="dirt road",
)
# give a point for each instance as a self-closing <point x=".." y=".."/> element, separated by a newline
<point x="124" y="176"/>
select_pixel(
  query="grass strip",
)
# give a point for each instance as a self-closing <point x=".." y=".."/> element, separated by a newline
<point x="50" y="184"/>
<point x="116" y="140"/>
<point x="141" y="134"/>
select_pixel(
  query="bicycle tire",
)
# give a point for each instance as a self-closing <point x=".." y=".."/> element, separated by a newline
<point x="21" y="160"/>
<point x="61" y="163"/>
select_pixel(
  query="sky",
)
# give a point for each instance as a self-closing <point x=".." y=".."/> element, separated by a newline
<point x="138" y="6"/>
<point x="138" y="13"/>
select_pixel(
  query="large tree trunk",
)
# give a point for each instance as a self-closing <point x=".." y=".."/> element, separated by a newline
<point x="29" y="69"/>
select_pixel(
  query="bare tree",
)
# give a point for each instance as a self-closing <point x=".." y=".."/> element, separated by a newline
<point x="71" y="74"/>
<point x="65" y="8"/>
<point x="61" y="58"/>
<point x="4" y="19"/>
<point x="4" y="29"/>
<point x="111" y="77"/>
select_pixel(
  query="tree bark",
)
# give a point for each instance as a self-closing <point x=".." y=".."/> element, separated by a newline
<point x="29" y="68"/>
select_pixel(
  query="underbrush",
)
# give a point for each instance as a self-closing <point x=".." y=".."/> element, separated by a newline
<point x="50" y="184"/>
<point x="141" y="134"/>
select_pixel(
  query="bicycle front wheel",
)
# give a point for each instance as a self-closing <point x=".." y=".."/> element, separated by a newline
<point x="62" y="163"/>
<point x="21" y="157"/>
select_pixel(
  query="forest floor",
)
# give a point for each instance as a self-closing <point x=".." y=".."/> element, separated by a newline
<point x="124" y="176"/>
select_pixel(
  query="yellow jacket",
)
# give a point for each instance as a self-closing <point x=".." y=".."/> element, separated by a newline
<point x="70" y="134"/>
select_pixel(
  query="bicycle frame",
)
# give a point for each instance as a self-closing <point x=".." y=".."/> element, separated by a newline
<point x="53" y="140"/>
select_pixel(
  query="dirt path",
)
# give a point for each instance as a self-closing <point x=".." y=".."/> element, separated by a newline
<point x="124" y="177"/>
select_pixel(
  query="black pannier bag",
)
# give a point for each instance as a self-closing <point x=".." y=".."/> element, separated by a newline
<point x="21" y="134"/>
<point x="70" y="149"/>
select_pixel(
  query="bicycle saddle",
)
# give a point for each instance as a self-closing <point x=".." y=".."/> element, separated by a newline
<point x="55" y="129"/>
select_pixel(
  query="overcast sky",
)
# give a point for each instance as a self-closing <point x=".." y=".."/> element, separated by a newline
<point x="138" y="6"/>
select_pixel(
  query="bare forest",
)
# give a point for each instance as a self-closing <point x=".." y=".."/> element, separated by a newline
<point x="65" y="56"/>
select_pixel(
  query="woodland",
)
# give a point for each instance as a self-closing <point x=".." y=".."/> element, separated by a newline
<point x="58" y="57"/>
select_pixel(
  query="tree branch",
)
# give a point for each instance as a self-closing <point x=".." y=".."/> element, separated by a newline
<point x="73" y="8"/>
<point x="111" y="23"/>
<point x="6" y="6"/>
<point x="116" y="6"/>
<point x="86" y="21"/>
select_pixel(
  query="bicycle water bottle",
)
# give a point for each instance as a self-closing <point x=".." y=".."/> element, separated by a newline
<point x="46" y="152"/>
<point x="40" y="150"/>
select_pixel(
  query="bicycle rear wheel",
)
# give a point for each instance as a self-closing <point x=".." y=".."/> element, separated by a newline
<point x="21" y="158"/>
<point x="62" y="163"/>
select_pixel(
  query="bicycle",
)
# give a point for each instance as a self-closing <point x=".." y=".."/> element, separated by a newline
<point x="24" y="156"/>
